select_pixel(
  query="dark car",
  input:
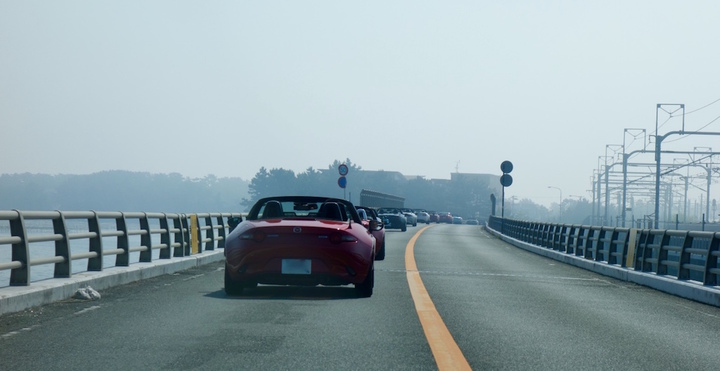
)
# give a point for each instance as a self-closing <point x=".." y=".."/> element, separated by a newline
<point x="393" y="218"/>
<point x="445" y="217"/>
<point x="434" y="217"/>
<point x="301" y="240"/>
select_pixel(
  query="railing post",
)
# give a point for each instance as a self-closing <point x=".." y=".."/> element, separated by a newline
<point x="20" y="252"/>
<point x="631" y="244"/>
<point x="145" y="240"/>
<point x="572" y="239"/>
<point x="579" y="240"/>
<point x="122" y="260"/>
<point x="537" y="233"/>
<point x="545" y="235"/>
<point x="195" y="234"/>
<point x="647" y="240"/>
<point x="179" y="251"/>
<point x="165" y="237"/>
<point x="210" y="234"/>
<point x="95" y="245"/>
<point x="684" y="273"/>
<point x="187" y="233"/>
<point x="661" y="268"/>
<point x="62" y="247"/>
<point x="711" y="261"/>
<point x="612" y="249"/>
<point x="221" y="232"/>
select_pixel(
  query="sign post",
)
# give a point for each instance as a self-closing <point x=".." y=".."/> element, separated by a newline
<point x="342" y="181"/>
<point x="506" y="181"/>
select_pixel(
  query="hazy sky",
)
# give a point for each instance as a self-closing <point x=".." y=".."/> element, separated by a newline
<point x="420" y="87"/>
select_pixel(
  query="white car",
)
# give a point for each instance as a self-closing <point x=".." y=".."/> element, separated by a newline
<point x="411" y="217"/>
<point x="422" y="216"/>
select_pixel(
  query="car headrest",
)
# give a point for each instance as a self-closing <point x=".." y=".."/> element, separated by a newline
<point x="273" y="209"/>
<point x="330" y="210"/>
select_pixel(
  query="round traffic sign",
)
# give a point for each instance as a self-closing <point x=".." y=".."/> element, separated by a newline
<point x="506" y="167"/>
<point x="343" y="169"/>
<point x="506" y="180"/>
<point x="342" y="182"/>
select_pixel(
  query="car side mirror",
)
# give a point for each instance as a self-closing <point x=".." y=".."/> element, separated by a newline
<point x="375" y="225"/>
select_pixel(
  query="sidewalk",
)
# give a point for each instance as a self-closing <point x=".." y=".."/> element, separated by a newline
<point x="686" y="289"/>
<point x="19" y="298"/>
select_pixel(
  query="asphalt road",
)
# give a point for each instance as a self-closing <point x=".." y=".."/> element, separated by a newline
<point x="505" y="308"/>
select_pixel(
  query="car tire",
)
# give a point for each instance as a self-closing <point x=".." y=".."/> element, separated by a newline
<point x="404" y="228"/>
<point x="381" y="254"/>
<point x="365" y="289"/>
<point x="232" y="287"/>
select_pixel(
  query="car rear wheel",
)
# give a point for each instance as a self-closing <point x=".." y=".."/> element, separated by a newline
<point x="232" y="287"/>
<point x="381" y="253"/>
<point x="365" y="289"/>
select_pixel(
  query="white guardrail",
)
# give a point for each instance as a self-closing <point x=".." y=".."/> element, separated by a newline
<point x="36" y="240"/>
<point x="683" y="263"/>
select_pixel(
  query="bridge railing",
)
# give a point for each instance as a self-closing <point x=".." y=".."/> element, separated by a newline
<point x="682" y="255"/>
<point x="134" y="233"/>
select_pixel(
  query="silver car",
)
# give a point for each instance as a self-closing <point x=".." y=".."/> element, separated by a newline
<point x="422" y="216"/>
<point x="411" y="217"/>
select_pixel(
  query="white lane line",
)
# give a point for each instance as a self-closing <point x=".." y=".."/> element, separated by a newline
<point x="13" y="333"/>
<point x="89" y="309"/>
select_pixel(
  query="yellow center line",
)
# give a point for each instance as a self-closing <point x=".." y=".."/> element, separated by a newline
<point x="448" y="355"/>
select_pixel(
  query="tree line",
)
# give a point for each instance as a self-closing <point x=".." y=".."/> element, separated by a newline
<point x="462" y="197"/>
<point x="140" y="191"/>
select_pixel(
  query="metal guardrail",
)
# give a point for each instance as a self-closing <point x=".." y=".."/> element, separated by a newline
<point x="179" y="235"/>
<point x="682" y="255"/>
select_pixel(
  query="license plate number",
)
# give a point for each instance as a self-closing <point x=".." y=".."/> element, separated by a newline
<point x="296" y="266"/>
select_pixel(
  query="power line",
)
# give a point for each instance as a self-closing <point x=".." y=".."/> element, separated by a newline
<point x="695" y="131"/>
<point x="705" y="106"/>
<point x="670" y="115"/>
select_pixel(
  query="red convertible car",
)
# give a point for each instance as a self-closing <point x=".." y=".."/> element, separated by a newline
<point x="368" y="214"/>
<point x="301" y="240"/>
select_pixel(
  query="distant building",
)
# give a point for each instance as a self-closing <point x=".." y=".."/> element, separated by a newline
<point x="378" y="199"/>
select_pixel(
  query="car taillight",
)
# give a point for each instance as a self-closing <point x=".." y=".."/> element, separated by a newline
<point x="342" y="237"/>
<point x="257" y="236"/>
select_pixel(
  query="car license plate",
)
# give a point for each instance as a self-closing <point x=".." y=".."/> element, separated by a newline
<point x="296" y="266"/>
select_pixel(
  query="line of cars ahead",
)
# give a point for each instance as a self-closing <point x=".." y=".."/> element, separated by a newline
<point x="309" y="241"/>
<point x="399" y="218"/>
<point x="394" y="218"/>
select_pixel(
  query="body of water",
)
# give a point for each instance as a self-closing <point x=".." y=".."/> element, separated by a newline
<point x="47" y="249"/>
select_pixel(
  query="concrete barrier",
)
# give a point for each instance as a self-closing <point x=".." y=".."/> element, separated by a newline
<point x="686" y="289"/>
<point x="19" y="298"/>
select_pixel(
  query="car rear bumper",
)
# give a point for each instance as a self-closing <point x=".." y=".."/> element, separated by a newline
<point x="326" y="266"/>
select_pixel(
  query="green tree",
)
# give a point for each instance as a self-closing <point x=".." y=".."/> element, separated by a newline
<point x="270" y="183"/>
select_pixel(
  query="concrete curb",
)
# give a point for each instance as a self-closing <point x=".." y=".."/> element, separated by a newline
<point x="685" y="289"/>
<point x="19" y="298"/>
